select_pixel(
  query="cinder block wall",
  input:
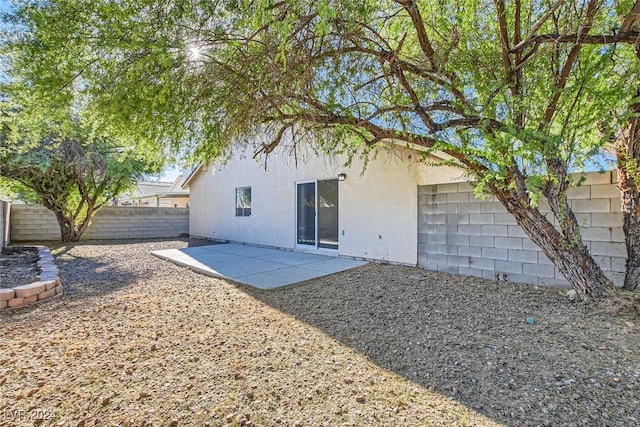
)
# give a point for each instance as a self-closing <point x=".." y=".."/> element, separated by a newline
<point x="35" y="222"/>
<point x="462" y="234"/>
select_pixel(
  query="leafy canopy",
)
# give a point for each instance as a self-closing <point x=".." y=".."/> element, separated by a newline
<point x="441" y="75"/>
<point x="70" y="173"/>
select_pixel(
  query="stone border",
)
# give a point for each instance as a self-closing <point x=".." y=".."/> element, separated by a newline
<point x="47" y="285"/>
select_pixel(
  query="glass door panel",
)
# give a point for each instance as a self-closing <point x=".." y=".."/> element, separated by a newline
<point x="328" y="214"/>
<point x="306" y="213"/>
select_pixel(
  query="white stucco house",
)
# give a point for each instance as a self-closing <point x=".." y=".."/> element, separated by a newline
<point x="316" y="203"/>
<point x="396" y="209"/>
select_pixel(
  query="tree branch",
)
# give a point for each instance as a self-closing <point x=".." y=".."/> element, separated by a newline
<point x="418" y="23"/>
<point x="504" y="43"/>
<point x="561" y="81"/>
<point x="632" y="18"/>
<point x="627" y="38"/>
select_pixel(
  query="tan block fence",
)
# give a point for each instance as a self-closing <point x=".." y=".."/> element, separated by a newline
<point x="36" y="223"/>
<point x="462" y="234"/>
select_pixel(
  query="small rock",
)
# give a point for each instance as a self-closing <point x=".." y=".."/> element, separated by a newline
<point x="360" y="399"/>
<point x="572" y="295"/>
<point x="348" y="381"/>
<point x="106" y="401"/>
<point x="41" y="383"/>
<point x="173" y="423"/>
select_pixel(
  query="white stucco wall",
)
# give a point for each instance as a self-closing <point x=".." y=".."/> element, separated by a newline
<point x="377" y="210"/>
<point x="429" y="174"/>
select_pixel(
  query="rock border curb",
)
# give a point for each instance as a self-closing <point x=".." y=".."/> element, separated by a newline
<point x="46" y="286"/>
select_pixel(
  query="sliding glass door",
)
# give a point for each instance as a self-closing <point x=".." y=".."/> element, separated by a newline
<point x="328" y="214"/>
<point x="317" y="214"/>
<point x="306" y="207"/>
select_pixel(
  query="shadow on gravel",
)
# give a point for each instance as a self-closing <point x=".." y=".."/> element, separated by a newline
<point x="471" y="340"/>
<point x="95" y="275"/>
<point x="86" y="278"/>
<point x="91" y="277"/>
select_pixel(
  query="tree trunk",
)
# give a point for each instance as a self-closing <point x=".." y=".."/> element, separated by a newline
<point x="70" y="235"/>
<point x="631" y="229"/>
<point x="68" y="230"/>
<point x="569" y="254"/>
<point x="627" y="148"/>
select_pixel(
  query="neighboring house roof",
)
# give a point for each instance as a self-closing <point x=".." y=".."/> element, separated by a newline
<point x="160" y="188"/>
<point x="156" y="189"/>
<point x="150" y="188"/>
<point x="195" y="172"/>
<point x="176" y="187"/>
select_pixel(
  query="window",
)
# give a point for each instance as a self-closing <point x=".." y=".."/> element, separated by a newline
<point x="243" y="201"/>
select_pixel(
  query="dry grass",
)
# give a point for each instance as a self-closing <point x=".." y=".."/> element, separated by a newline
<point x="139" y="341"/>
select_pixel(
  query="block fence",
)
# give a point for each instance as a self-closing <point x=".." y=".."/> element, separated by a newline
<point x="462" y="234"/>
<point x="36" y="223"/>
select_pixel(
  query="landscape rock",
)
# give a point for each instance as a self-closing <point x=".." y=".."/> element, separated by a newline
<point x="369" y="346"/>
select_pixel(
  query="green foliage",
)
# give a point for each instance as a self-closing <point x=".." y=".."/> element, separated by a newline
<point x="469" y="80"/>
<point x="197" y="77"/>
<point x="72" y="174"/>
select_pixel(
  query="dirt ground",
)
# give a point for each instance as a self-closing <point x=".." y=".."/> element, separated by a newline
<point x="138" y="341"/>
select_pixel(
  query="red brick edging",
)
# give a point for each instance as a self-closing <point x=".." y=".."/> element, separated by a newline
<point x="48" y="282"/>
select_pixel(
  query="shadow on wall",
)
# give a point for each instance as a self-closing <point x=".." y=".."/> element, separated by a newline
<point x="469" y="339"/>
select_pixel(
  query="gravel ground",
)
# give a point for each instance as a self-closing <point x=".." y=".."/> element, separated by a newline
<point x="139" y="341"/>
<point x="18" y="268"/>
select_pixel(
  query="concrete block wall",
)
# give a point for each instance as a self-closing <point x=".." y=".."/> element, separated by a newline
<point x="36" y="223"/>
<point x="462" y="234"/>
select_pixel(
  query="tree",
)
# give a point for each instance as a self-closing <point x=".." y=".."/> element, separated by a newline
<point x="472" y="79"/>
<point x="622" y="130"/>
<point x="72" y="177"/>
<point x="626" y="144"/>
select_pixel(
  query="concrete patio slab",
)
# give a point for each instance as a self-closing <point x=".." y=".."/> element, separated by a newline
<point x="263" y="268"/>
<point x="276" y="279"/>
<point x="244" y="250"/>
<point x="294" y="258"/>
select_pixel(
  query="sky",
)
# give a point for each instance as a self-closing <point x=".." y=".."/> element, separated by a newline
<point x="169" y="174"/>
